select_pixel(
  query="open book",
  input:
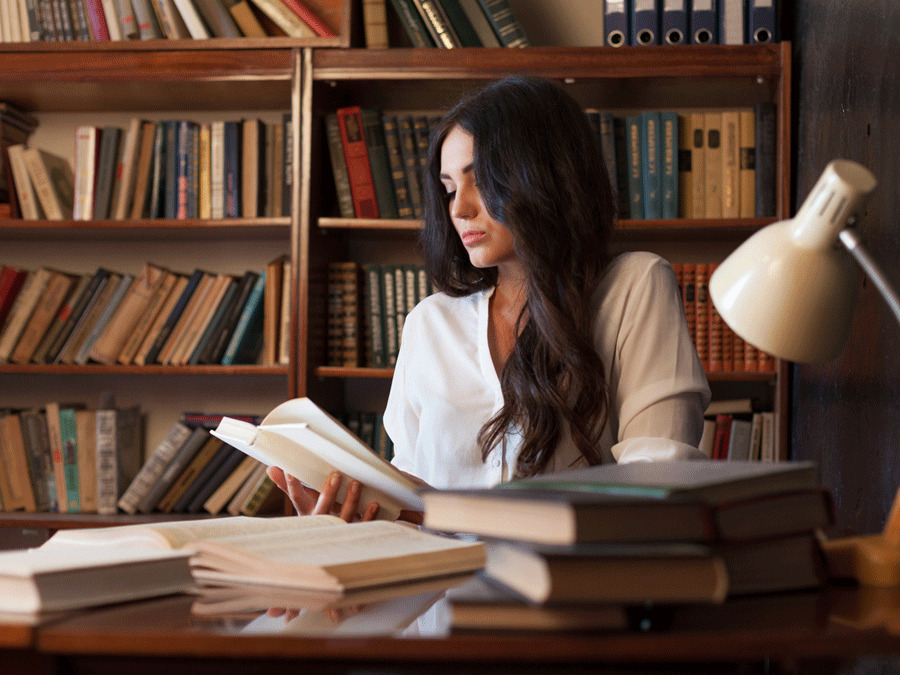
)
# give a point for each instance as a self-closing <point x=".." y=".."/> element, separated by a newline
<point x="319" y="553"/>
<point x="306" y="442"/>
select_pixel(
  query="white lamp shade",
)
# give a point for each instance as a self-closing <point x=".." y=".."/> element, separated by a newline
<point x="790" y="288"/>
<point x="792" y="302"/>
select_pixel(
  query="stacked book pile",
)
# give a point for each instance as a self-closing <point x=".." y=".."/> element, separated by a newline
<point x="626" y="535"/>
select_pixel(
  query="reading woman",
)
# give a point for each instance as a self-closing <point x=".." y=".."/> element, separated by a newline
<point x="542" y="351"/>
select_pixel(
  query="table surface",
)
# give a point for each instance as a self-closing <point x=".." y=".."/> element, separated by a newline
<point x="414" y="626"/>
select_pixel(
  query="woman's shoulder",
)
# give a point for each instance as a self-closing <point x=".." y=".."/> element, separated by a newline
<point x="636" y="266"/>
<point x="439" y="309"/>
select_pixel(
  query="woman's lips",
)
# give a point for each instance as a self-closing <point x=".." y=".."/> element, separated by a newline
<point x="472" y="237"/>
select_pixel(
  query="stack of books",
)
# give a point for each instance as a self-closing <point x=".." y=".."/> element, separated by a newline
<point x="660" y="532"/>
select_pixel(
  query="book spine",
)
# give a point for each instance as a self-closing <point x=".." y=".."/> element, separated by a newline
<point x="685" y="168"/>
<point x="374" y="320"/>
<point x="54" y="433"/>
<point x="437" y="23"/>
<point x="34" y="435"/>
<point x="635" y="185"/>
<point x="766" y="159"/>
<point x="107" y="462"/>
<point x="747" y="164"/>
<point x="243" y="346"/>
<point x="651" y="172"/>
<point x="712" y="123"/>
<point x="398" y="171"/>
<point x="376" y="147"/>
<point x="412" y="23"/>
<point x="670" y="174"/>
<point x="310" y="18"/>
<point x="507" y="27"/>
<point x="356" y="156"/>
<point x="389" y="314"/>
<point x="731" y="180"/>
<point x="409" y="153"/>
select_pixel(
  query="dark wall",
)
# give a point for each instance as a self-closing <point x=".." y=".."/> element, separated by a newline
<point x="846" y="414"/>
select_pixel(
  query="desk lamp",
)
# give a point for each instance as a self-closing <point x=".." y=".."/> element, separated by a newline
<point x="789" y="290"/>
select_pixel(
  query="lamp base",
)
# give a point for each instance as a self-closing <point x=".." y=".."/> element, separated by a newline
<point x="873" y="560"/>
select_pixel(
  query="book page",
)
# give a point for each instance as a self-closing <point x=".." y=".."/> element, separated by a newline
<point x="356" y="555"/>
<point x="175" y="534"/>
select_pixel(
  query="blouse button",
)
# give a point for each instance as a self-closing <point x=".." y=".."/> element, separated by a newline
<point x="496" y="463"/>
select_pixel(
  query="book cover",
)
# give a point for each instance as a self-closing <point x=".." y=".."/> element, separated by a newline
<point x="153" y="467"/>
<point x="148" y="316"/>
<point x="698" y="166"/>
<point x="379" y="162"/>
<point x="669" y="164"/>
<point x="217" y="18"/>
<point x="179" y="461"/>
<point x="285" y="18"/>
<point x="766" y="159"/>
<point x="18" y="490"/>
<point x="713" y="164"/>
<point x="107" y="159"/>
<point x="165" y="330"/>
<point x="167" y="306"/>
<point x="105" y="313"/>
<point x="507" y="27"/>
<point x="57" y="288"/>
<point x="306" y="442"/>
<point x="189" y="474"/>
<point x="246" y="340"/>
<point x="651" y="164"/>
<point x="685" y="168"/>
<point x="633" y="137"/>
<point x="53" y="180"/>
<point x="412" y="23"/>
<point x="747" y="164"/>
<point x="356" y="156"/>
<point x="731" y="180"/>
<point x="220" y="339"/>
<point x="40" y="463"/>
<point x="437" y="23"/>
<point x="28" y="203"/>
<point x="86" y="459"/>
<point x="22" y="308"/>
<point x="71" y="314"/>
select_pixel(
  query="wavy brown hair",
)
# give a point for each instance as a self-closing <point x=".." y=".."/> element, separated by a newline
<point x="540" y="173"/>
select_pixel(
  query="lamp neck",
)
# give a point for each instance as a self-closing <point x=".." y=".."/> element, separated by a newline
<point x="852" y="243"/>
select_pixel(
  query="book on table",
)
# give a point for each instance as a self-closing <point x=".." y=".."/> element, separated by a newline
<point x="306" y="442"/>
<point x="670" y="572"/>
<point x="38" y="581"/>
<point x="657" y="501"/>
<point x="320" y="553"/>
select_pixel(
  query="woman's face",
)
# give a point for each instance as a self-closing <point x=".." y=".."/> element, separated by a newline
<point x="488" y="242"/>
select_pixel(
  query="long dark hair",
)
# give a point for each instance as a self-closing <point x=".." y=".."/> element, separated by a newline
<point x="540" y="173"/>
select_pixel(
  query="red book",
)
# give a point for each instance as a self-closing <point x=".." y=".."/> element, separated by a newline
<point x="309" y="18"/>
<point x="11" y="280"/>
<point x="97" y="19"/>
<point x="362" y="187"/>
<point x="723" y="433"/>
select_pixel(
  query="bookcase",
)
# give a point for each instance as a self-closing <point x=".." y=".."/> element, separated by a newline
<point x="621" y="80"/>
<point x="65" y="84"/>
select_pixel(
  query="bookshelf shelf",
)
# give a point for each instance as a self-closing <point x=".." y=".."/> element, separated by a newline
<point x="97" y="369"/>
<point x="127" y="230"/>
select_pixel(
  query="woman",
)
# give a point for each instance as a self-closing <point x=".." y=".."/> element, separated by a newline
<point x="542" y="352"/>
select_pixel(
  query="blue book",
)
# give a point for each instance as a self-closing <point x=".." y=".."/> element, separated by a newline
<point x="232" y="161"/>
<point x="645" y="22"/>
<point x="633" y="155"/>
<point x="651" y="164"/>
<point x="675" y="22"/>
<point x="246" y="341"/>
<point x="616" y="19"/>
<point x="704" y="22"/>
<point x="170" y="171"/>
<point x="669" y="128"/>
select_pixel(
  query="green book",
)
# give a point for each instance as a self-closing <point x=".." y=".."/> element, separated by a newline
<point x="70" y="458"/>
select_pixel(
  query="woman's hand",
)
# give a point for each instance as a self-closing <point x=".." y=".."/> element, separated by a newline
<point x="308" y="502"/>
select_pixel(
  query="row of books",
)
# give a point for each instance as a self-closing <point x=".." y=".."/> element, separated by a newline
<point x="739" y="436"/>
<point x="711" y="164"/>
<point x="192" y="471"/>
<point x="104" y="20"/>
<point x="367" y="307"/>
<point x="642" y="23"/>
<point x="155" y="316"/>
<point x="719" y="348"/>
<point x="174" y="169"/>
<point x="663" y="164"/>
<point x="68" y="458"/>
<point x="377" y="160"/>
<point x="458" y="23"/>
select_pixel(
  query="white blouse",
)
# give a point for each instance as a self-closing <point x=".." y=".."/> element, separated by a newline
<point x="445" y="386"/>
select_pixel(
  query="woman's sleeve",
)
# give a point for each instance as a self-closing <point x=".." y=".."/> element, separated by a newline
<point x="658" y="387"/>
<point x="401" y="419"/>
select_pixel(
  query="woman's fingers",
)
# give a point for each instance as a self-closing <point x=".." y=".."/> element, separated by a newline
<point x="302" y="497"/>
<point x="309" y="502"/>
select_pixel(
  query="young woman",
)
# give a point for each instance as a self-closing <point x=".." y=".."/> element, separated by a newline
<point x="542" y="352"/>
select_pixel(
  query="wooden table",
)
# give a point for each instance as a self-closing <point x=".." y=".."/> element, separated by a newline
<point x="815" y="632"/>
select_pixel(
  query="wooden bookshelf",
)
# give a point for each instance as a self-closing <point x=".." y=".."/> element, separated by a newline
<point x="309" y="78"/>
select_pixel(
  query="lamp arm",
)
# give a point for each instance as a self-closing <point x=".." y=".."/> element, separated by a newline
<point x="853" y="243"/>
